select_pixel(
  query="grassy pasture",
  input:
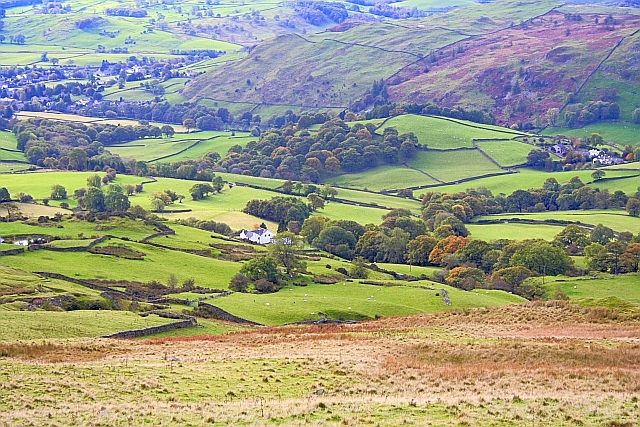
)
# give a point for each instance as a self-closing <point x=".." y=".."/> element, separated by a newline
<point x="343" y="193"/>
<point x="38" y="184"/>
<point x="621" y="133"/>
<point x="8" y="148"/>
<point x="35" y="325"/>
<point x="221" y="145"/>
<point x="9" y="167"/>
<point x="414" y="270"/>
<point x="353" y="301"/>
<point x="383" y="177"/>
<point x="624" y="286"/>
<point x="616" y="219"/>
<point x="223" y="207"/>
<point x="35" y="210"/>
<point x="252" y="180"/>
<point x="439" y="133"/>
<point x="68" y="35"/>
<point x="158" y="264"/>
<point x="233" y="200"/>
<point x="513" y="231"/>
<point x="12" y="278"/>
<point x="434" y="4"/>
<point x="75" y="118"/>
<point x="507" y="153"/>
<point x="529" y="178"/>
<point x="74" y="229"/>
<point x="363" y="215"/>
<point x="450" y="166"/>
<point x="388" y="201"/>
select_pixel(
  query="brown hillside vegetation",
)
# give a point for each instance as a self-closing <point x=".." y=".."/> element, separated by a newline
<point x="537" y="364"/>
<point x="519" y="73"/>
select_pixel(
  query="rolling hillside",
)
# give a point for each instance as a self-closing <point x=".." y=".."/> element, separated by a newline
<point x="516" y="61"/>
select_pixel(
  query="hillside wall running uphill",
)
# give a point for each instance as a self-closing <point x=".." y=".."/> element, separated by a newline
<point x="135" y="333"/>
<point x="217" y="313"/>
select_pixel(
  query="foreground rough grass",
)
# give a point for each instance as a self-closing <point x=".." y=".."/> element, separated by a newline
<point x="534" y="364"/>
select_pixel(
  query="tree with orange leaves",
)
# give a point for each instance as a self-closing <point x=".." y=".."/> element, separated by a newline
<point x="448" y="245"/>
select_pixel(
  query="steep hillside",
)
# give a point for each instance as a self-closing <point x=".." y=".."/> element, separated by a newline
<point x="516" y="60"/>
<point x="337" y="67"/>
<point x="291" y="70"/>
<point x="521" y="72"/>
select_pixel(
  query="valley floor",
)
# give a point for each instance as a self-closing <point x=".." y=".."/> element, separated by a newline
<point x="533" y="364"/>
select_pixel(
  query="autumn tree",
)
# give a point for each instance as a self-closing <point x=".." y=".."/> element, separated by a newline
<point x="168" y="130"/>
<point x="316" y="202"/>
<point x="189" y="124"/>
<point x="633" y="206"/>
<point x="418" y="250"/>
<point x="448" y="245"/>
<point x="466" y="278"/>
<point x="631" y="258"/>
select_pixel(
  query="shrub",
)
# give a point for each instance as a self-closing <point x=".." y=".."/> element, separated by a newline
<point x="239" y="283"/>
<point x="264" y="286"/>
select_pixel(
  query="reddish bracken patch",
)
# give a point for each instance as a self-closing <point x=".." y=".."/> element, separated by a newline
<point x="529" y="68"/>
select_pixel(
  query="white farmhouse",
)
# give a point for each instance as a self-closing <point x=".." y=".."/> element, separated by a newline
<point x="261" y="235"/>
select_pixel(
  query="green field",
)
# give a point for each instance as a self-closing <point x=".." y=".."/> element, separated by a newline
<point x="8" y="148"/>
<point x="6" y="167"/>
<point x="180" y="147"/>
<point x="529" y="178"/>
<point x="441" y="133"/>
<point x="33" y="325"/>
<point x="616" y="219"/>
<point x="450" y="166"/>
<point x="621" y="133"/>
<point x="38" y="184"/>
<point x="354" y="301"/>
<point x="158" y="264"/>
<point x="219" y="145"/>
<point x="512" y="231"/>
<point x="383" y="178"/>
<point x="223" y="207"/>
<point x="603" y="285"/>
<point x="434" y="4"/>
<point x="507" y="153"/>
<point x="76" y="229"/>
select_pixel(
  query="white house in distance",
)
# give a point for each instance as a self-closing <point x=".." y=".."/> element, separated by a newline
<point x="261" y="235"/>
